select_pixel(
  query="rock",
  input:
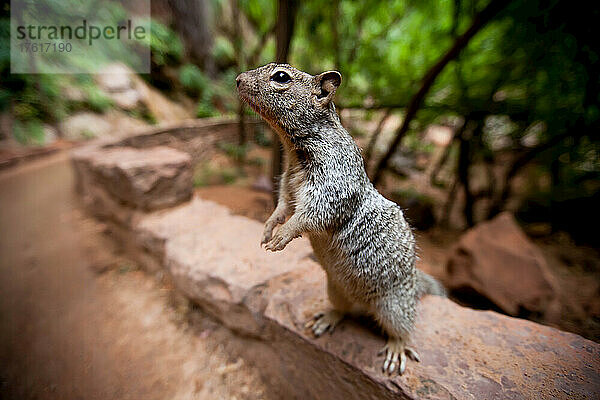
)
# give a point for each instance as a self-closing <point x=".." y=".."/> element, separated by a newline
<point x="88" y="125"/>
<point x="144" y="179"/>
<point x="123" y="124"/>
<point x="127" y="100"/>
<point x="417" y="208"/>
<point x="497" y="261"/>
<point x="215" y="260"/>
<point x="465" y="354"/>
<point x="439" y="135"/>
<point x="115" y="78"/>
<point x="85" y="125"/>
<point x="130" y="92"/>
<point x="50" y="134"/>
<point x="163" y="109"/>
<point x="73" y="93"/>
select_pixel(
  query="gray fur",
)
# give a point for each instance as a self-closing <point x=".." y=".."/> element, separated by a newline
<point x="360" y="238"/>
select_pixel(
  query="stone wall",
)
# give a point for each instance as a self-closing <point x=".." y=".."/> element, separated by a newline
<point x="198" y="138"/>
<point x="215" y="260"/>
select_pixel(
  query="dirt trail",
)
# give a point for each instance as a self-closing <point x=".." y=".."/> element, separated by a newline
<point x="69" y="333"/>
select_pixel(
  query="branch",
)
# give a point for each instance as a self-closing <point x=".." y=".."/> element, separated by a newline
<point x="526" y="157"/>
<point x="438" y="167"/>
<point x="375" y="135"/>
<point x="480" y="20"/>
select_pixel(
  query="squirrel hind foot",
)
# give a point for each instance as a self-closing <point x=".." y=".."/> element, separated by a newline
<point x="396" y="353"/>
<point x="324" y="322"/>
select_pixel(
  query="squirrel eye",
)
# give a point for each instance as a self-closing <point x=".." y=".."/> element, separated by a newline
<point x="281" y="77"/>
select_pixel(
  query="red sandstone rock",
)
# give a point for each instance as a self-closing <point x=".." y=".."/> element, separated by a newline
<point x="215" y="258"/>
<point x="216" y="261"/>
<point x="465" y="354"/>
<point x="498" y="261"/>
<point x="145" y="179"/>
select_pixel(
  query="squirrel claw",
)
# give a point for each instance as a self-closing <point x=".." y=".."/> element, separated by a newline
<point x="396" y="354"/>
<point x="314" y="319"/>
<point x="267" y="235"/>
<point x="324" y="322"/>
<point x="277" y="218"/>
<point x="412" y="354"/>
<point x="265" y="239"/>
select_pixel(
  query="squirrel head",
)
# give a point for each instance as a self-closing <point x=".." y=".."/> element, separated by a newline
<point x="288" y="99"/>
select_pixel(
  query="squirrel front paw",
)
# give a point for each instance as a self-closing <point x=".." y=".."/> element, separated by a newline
<point x="277" y="218"/>
<point x="279" y="241"/>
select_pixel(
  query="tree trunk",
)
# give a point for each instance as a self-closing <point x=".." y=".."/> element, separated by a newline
<point x="286" y="18"/>
<point x="192" y="20"/>
<point x="336" y="42"/>
<point x="375" y="136"/>
<point x="433" y="179"/>
<point x="480" y="20"/>
<point x="465" y="158"/>
<point x="445" y="218"/>
<point x="237" y="44"/>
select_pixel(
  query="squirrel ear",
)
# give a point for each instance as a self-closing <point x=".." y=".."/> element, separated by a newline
<point x="327" y="84"/>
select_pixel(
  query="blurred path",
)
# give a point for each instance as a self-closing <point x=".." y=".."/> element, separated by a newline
<point x="67" y="333"/>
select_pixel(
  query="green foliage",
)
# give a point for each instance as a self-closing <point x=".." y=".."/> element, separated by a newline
<point x="413" y="143"/>
<point x="534" y="67"/>
<point x="95" y="99"/>
<point x="261" y="13"/>
<point x="197" y="84"/>
<point x="235" y="151"/>
<point x="34" y="99"/>
<point x="165" y="45"/>
<point x="223" y="51"/>
<point x="261" y="138"/>
<point x="40" y="97"/>
<point x="5" y="96"/>
<point x="205" y="175"/>
<point x="221" y="91"/>
<point x="143" y="114"/>
<point x="383" y="49"/>
<point x="256" y="161"/>
<point x="530" y="75"/>
<point x="201" y="175"/>
<point x="87" y="134"/>
<point x="229" y="175"/>
<point x="4" y="45"/>
<point x="63" y="12"/>
<point x="29" y="132"/>
<point x="205" y="110"/>
<point x="193" y="79"/>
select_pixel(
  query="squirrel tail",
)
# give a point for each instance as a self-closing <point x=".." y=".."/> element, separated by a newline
<point x="427" y="284"/>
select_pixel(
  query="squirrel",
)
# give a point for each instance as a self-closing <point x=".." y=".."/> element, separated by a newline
<point x="359" y="237"/>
